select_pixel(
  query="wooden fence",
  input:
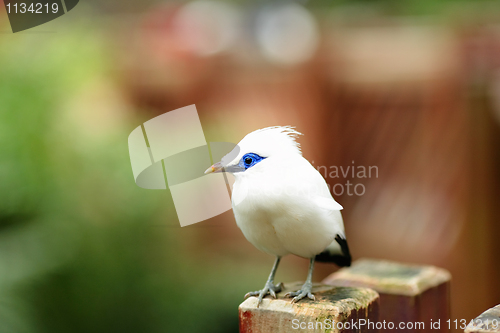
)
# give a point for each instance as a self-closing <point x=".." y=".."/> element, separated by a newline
<point x="370" y="296"/>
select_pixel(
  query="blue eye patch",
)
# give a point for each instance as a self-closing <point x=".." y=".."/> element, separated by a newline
<point x="249" y="160"/>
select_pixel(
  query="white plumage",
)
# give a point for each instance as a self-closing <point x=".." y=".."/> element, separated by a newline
<point x="282" y="204"/>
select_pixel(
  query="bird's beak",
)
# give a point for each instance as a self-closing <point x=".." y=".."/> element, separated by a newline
<point x="217" y="167"/>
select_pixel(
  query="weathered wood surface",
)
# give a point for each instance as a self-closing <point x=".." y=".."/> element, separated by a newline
<point x="487" y="322"/>
<point x="332" y="305"/>
<point x="408" y="293"/>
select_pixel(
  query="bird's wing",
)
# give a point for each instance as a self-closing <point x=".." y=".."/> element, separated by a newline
<point x="327" y="203"/>
<point x="332" y="211"/>
<point x="309" y="177"/>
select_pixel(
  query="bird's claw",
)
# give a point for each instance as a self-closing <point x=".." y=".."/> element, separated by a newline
<point x="305" y="291"/>
<point x="270" y="288"/>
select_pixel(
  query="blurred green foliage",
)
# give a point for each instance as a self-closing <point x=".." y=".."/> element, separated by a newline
<point x="82" y="248"/>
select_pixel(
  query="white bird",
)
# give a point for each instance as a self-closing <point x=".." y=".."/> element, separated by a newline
<point x="283" y="205"/>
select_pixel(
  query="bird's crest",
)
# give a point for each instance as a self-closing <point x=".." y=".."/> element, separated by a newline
<point x="265" y="142"/>
<point x="277" y="138"/>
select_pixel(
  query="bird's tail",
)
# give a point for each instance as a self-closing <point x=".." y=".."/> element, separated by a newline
<point x="337" y="253"/>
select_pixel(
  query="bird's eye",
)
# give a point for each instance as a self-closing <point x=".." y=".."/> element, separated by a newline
<point x="249" y="160"/>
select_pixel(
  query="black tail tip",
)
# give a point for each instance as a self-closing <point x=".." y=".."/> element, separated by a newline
<point x="342" y="260"/>
<point x="339" y="260"/>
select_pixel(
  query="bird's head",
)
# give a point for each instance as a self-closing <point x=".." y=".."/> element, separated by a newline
<point x="257" y="146"/>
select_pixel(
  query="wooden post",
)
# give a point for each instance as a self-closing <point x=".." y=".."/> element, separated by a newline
<point x="487" y="322"/>
<point x="333" y="305"/>
<point x="416" y="297"/>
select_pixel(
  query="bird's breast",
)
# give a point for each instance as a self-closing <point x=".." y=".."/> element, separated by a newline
<point x="280" y="222"/>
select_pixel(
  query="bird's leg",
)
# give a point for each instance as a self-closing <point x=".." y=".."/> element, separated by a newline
<point x="269" y="288"/>
<point x="306" y="287"/>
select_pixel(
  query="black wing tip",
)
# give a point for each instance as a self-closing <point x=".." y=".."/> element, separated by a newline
<point x="341" y="260"/>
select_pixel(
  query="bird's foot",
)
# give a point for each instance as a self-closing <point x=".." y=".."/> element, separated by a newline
<point x="269" y="288"/>
<point x="300" y="294"/>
